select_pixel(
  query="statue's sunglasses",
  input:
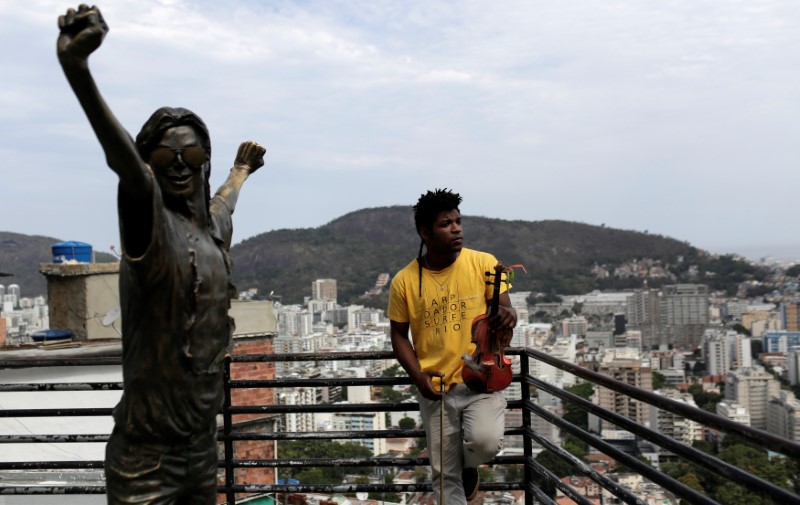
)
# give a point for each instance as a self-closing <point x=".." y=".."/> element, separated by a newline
<point x="163" y="157"/>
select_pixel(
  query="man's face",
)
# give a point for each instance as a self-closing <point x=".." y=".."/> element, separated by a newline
<point x="180" y="163"/>
<point x="445" y="235"/>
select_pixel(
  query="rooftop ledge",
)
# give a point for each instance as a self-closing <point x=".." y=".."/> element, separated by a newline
<point x="77" y="269"/>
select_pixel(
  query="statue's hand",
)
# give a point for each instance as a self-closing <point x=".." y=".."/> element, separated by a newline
<point x="82" y="32"/>
<point x="250" y="156"/>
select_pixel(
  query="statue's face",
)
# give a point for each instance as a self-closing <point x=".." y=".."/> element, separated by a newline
<point x="180" y="162"/>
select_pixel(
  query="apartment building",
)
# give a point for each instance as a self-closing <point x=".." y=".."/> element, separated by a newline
<point x="676" y="315"/>
<point x="623" y="365"/>
<point x="752" y="388"/>
<point x="725" y="350"/>
<point x="790" y="315"/>
<point x="783" y="416"/>
<point x="673" y="425"/>
<point x="323" y="289"/>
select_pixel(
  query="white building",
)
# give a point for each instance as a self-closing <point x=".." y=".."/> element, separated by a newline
<point x="627" y="366"/>
<point x="673" y="425"/>
<point x="565" y="348"/>
<point x="323" y="289"/>
<point x="294" y="320"/>
<point x="362" y="421"/>
<point x="319" y="306"/>
<point x="733" y="411"/>
<point x="752" y="388"/>
<point x="575" y="325"/>
<point x="793" y="366"/>
<point x="598" y="303"/>
<point x="725" y="350"/>
<point x="298" y="421"/>
<point x="783" y="416"/>
<point x="363" y="317"/>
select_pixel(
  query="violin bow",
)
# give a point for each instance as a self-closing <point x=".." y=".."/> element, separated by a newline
<point x="441" y="443"/>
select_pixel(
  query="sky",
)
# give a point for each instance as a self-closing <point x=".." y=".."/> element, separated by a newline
<point x="675" y="117"/>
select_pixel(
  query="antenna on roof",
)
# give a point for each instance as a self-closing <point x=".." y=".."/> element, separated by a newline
<point x="111" y="316"/>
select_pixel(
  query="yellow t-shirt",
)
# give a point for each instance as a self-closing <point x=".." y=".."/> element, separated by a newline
<point x="441" y="317"/>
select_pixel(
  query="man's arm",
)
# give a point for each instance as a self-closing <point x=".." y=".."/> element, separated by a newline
<point x="407" y="358"/>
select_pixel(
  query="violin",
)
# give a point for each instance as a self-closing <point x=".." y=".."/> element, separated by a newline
<point x="487" y="369"/>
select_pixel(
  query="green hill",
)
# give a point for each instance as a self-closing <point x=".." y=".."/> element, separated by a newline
<point x="355" y="248"/>
<point x="559" y="255"/>
<point x="20" y="256"/>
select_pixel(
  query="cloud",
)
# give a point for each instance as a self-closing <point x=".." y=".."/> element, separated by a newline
<point x="639" y="115"/>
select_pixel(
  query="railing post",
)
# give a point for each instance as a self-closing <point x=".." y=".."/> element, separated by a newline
<point x="227" y="428"/>
<point x="524" y="364"/>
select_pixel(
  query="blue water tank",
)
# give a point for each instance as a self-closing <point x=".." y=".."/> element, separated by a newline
<point x="69" y="251"/>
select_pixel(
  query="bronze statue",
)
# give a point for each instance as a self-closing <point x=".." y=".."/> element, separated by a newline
<point x="175" y="287"/>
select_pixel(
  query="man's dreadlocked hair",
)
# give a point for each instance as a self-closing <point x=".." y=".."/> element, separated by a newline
<point x="429" y="206"/>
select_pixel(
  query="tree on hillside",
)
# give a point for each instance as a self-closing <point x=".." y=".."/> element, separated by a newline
<point x="573" y="413"/>
<point x="704" y="400"/>
<point x="739" y="328"/>
<point x="407" y="423"/>
<point x="306" y="449"/>
<point x="658" y="380"/>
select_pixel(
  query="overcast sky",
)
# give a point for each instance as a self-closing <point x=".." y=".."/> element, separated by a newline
<point x="677" y="117"/>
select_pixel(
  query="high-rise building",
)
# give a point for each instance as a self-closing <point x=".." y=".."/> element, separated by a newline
<point x="725" y="350"/>
<point x="299" y="421"/>
<point x="793" y="366"/>
<point x="734" y="412"/>
<point x="676" y="315"/>
<point x="575" y="325"/>
<point x="364" y="421"/>
<point x="790" y="315"/>
<point x="363" y="317"/>
<point x="13" y="290"/>
<point x="783" y="416"/>
<point x="781" y="341"/>
<point x="320" y="306"/>
<point x="632" y="339"/>
<point x="684" y="314"/>
<point x="716" y="355"/>
<point x="685" y="304"/>
<point x="643" y="312"/>
<point x="323" y="289"/>
<point x="752" y="388"/>
<point x="674" y="425"/>
<point x="295" y="320"/>
<point x="623" y="365"/>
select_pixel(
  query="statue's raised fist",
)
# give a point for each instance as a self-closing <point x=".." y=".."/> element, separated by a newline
<point x="82" y="32"/>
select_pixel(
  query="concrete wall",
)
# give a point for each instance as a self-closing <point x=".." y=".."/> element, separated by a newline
<point x="83" y="297"/>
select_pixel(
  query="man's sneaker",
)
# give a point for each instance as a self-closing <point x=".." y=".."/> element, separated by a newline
<point x="470" y="478"/>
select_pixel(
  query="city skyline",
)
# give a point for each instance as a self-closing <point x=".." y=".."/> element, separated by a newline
<point x="675" y="119"/>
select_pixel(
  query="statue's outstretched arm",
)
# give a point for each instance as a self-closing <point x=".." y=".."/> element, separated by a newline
<point x="82" y="32"/>
<point x="249" y="158"/>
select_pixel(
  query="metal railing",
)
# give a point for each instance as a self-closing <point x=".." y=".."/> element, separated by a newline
<point x="535" y="473"/>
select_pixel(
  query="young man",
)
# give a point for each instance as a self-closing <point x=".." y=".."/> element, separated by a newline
<point x="175" y="288"/>
<point x="437" y="296"/>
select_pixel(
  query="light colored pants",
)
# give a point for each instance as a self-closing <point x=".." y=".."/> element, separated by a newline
<point x="473" y="434"/>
